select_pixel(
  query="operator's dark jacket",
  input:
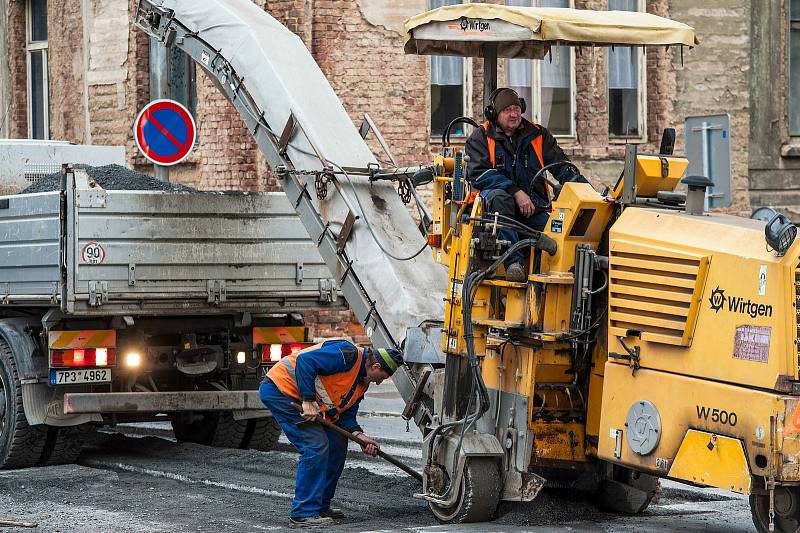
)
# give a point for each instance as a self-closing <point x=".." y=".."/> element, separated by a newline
<point x="516" y="160"/>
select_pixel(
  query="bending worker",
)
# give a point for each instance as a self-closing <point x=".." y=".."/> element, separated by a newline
<point x="505" y="153"/>
<point x="329" y="379"/>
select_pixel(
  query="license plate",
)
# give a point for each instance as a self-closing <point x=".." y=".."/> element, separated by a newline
<point x="83" y="375"/>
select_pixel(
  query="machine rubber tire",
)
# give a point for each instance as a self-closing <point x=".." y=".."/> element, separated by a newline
<point x="21" y="445"/>
<point x="264" y="434"/>
<point x="478" y="497"/>
<point x="787" y="510"/>
<point x="63" y="444"/>
<point x="629" y="492"/>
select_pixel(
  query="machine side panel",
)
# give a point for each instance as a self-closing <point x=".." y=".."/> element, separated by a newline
<point x="682" y="403"/>
<point x="702" y="296"/>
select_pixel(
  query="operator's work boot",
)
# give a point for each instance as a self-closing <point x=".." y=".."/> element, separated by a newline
<point x="516" y="272"/>
<point x="332" y="512"/>
<point x="310" y="521"/>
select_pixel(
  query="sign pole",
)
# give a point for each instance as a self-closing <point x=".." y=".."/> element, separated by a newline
<point x="159" y="89"/>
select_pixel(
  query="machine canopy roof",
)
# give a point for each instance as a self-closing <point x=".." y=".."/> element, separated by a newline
<point x="464" y="29"/>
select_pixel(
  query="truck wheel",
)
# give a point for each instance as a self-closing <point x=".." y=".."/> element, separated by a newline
<point x="265" y="434"/>
<point x="787" y="510"/>
<point x="478" y="494"/>
<point x="21" y="445"/>
<point x="212" y="429"/>
<point x="63" y="444"/>
<point x="625" y="491"/>
<point x="229" y="432"/>
<point x="196" y="431"/>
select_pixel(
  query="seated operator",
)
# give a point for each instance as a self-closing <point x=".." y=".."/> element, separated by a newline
<point x="505" y="153"/>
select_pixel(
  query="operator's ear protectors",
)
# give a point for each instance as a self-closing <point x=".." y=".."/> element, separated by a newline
<point x="490" y="112"/>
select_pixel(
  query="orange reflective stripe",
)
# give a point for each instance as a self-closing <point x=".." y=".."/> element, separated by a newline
<point x="537" y="148"/>
<point x="490" y="143"/>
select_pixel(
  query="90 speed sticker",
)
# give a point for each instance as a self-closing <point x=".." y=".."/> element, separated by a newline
<point x="93" y="253"/>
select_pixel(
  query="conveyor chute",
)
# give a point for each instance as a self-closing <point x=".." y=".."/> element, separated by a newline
<point x="307" y="136"/>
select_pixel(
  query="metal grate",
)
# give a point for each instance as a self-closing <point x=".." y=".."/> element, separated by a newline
<point x="35" y="172"/>
<point x="654" y="293"/>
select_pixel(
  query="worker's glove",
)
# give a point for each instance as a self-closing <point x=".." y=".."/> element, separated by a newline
<point x="368" y="446"/>
<point x="310" y="411"/>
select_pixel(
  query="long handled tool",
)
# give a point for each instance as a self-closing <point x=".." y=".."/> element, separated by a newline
<point x="396" y="462"/>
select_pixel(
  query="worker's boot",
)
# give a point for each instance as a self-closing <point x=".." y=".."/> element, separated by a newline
<point x="310" y="521"/>
<point x="332" y="512"/>
<point x="516" y="272"/>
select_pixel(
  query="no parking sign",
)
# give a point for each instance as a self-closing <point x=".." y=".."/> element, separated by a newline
<point x="165" y="132"/>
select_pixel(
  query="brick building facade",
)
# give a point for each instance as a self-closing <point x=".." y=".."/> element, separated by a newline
<point x="98" y="74"/>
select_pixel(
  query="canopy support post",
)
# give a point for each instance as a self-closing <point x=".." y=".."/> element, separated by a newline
<point x="489" y="70"/>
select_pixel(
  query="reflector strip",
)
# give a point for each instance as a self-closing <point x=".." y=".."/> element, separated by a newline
<point x="279" y="334"/>
<point x="92" y="338"/>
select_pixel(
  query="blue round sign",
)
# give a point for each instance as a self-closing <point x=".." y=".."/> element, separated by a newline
<point x="165" y="132"/>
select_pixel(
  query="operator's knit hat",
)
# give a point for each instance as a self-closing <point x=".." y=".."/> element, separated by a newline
<point x="506" y="97"/>
<point x="389" y="358"/>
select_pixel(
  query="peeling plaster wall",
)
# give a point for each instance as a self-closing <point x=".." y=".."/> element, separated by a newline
<point x="390" y="15"/>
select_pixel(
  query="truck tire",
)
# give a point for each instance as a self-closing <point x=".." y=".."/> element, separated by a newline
<point x="21" y="445"/>
<point x="212" y="429"/>
<point x="478" y="496"/>
<point x="265" y="434"/>
<point x="787" y="510"/>
<point x="229" y="432"/>
<point x="64" y="444"/>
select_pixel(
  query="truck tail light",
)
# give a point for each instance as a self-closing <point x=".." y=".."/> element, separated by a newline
<point x="272" y="353"/>
<point x="74" y="357"/>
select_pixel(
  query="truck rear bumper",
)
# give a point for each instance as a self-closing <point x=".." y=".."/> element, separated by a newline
<point x="162" y="402"/>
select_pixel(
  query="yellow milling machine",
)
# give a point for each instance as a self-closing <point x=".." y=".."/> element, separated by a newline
<point x="651" y="339"/>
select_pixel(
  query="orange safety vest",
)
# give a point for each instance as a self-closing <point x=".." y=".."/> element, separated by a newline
<point x="331" y="390"/>
<point x="491" y="143"/>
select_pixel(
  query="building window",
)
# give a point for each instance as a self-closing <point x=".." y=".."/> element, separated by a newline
<point x="794" y="70"/>
<point x="626" y="83"/>
<point x="447" y="86"/>
<point x="548" y="86"/>
<point x="180" y="84"/>
<point x="38" y="82"/>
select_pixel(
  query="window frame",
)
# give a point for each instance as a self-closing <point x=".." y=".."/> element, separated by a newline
<point x="534" y="97"/>
<point x="794" y="27"/>
<point x="642" y="91"/>
<point x="30" y="47"/>
<point x="466" y="101"/>
<point x="536" y="88"/>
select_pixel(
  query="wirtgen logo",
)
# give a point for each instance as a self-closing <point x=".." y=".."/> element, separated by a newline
<point x="474" y="25"/>
<point x="737" y="304"/>
<point x="717" y="299"/>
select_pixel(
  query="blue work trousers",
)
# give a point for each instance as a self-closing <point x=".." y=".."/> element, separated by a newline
<point x="322" y="453"/>
<point x="500" y="201"/>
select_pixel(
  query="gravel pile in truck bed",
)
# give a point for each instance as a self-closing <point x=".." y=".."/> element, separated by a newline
<point x="112" y="177"/>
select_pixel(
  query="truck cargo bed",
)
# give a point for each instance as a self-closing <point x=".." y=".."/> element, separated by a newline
<point x="91" y="251"/>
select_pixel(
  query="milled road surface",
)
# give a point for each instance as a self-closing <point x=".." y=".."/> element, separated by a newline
<point x="136" y="482"/>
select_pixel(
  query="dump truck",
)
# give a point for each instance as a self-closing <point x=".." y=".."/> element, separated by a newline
<point x="143" y="305"/>
<point x="650" y="340"/>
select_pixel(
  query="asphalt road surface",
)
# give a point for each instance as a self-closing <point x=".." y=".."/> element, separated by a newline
<point x="141" y="480"/>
